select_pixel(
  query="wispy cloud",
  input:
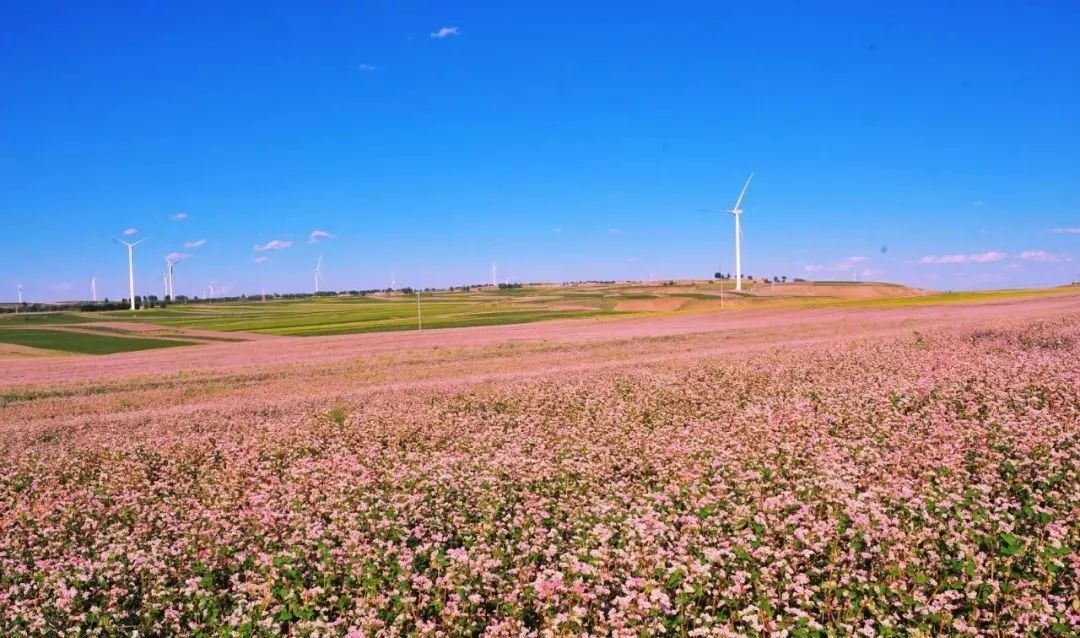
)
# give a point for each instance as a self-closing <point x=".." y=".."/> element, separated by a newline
<point x="849" y="263"/>
<point x="367" y="68"/>
<point x="445" y="32"/>
<point x="557" y="229"/>
<point x="128" y="232"/>
<point x="970" y="258"/>
<point x="978" y="203"/>
<point x="316" y="235"/>
<point x="261" y="259"/>
<point x="198" y="243"/>
<point x="843" y="265"/>
<point x="274" y="244"/>
<point x="177" y="257"/>
<point x="63" y="285"/>
<point x="1041" y="256"/>
<point x="614" y="232"/>
<point x="1066" y="231"/>
<point x="178" y="217"/>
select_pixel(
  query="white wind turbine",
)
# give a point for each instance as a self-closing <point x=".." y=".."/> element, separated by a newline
<point x="211" y="287"/>
<point x="393" y="282"/>
<point x="131" y="268"/>
<point x="737" y="212"/>
<point x="494" y="275"/>
<point x="20" y="296"/>
<point x="169" y="290"/>
<point x="93" y="288"/>
<point x="318" y="274"/>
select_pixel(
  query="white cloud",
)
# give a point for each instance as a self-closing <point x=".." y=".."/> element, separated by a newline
<point x="367" y="67"/>
<point x="177" y="257"/>
<point x="445" y="32"/>
<point x="179" y="217"/>
<point x="261" y="259"/>
<point x="849" y="263"/>
<point x="978" y="203"/>
<point x="274" y="244"/>
<point x="1066" y="231"/>
<point x="128" y="232"/>
<point x="871" y="272"/>
<point x="198" y="243"/>
<point x="971" y="258"/>
<point x="557" y="229"/>
<point x="614" y="232"/>
<point x="1041" y="256"/>
<point x="840" y="266"/>
<point x="316" y="235"/>
<point x="63" y="285"/>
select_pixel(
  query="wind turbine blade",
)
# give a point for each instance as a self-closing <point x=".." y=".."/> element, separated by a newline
<point x="738" y="202"/>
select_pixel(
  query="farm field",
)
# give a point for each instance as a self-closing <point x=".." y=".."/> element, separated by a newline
<point x="349" y="315"/>
<point x="803" y="471"/>
<point x="82" y="342"/>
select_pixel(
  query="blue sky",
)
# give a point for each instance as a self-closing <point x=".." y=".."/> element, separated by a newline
<point x="562" y="141"/>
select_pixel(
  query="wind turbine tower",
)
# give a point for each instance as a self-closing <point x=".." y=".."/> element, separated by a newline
<point x="494" y="275"/>
<point x="131" y="269"/>
<point x="93" y="289"/>
<point x="169" y="290"/>
<point x="737" y="212"/>
<point x="318" y="274"/>
<point x="20" y="294"/>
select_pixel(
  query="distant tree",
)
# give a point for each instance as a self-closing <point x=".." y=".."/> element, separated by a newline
<point x="784" y="279"/>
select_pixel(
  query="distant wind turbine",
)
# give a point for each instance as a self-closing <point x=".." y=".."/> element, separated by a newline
<point x="170" y="291"/>
<point x="211" y="287"/>
<point x="131" y="268"/>
<point x="20" y="297"/>
<point x="737" y="212"/>
<point x="93" y="289"/>
<point x="318" y="274"/>
<point x="393" y="282"/>
<point x="494" y="277"/>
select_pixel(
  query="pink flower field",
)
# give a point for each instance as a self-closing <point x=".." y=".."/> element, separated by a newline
<point x="915" y="482"/>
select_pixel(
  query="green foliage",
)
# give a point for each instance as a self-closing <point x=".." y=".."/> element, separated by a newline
<point x="82" y="342"/>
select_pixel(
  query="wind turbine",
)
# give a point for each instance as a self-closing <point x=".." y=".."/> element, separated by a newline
<point x="169" y="290"/>
<point x="318" y="274"/>
<point x="20" y="298"/>
<point x="494" y="273"/>
<point x="93" y="289"/>
<point x="211" y="292"/>
<point x="393" y="282"/>
<point x="737" y="212"/>
<point x="131" y="268"/>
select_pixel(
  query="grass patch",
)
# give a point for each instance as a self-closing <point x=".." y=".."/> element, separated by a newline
<point x="82" y="342"/>
<point x="42" y="318"/>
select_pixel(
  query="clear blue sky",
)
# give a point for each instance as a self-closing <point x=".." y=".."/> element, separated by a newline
<point x="562" y="140"/>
